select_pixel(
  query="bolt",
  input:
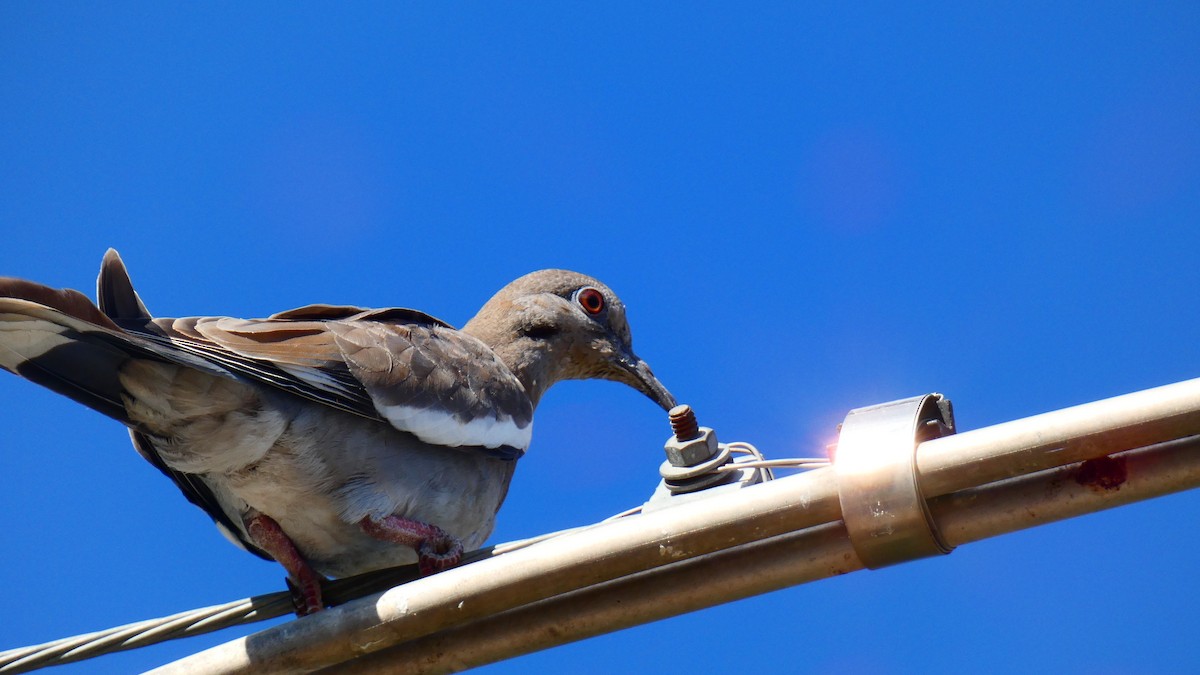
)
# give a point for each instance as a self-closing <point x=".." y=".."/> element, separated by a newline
<point x="692" y="444"/>
<point x="683" y="422"/>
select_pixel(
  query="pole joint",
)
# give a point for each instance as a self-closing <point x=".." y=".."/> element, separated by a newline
<point x="886" y="515"/>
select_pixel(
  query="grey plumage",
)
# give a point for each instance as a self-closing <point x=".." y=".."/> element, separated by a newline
<point x="323" y="435"/>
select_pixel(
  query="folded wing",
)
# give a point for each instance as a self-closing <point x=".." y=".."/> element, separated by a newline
<point x="398" y="366"/>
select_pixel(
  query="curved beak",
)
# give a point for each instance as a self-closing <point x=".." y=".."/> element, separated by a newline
<point x="643" y="379"/>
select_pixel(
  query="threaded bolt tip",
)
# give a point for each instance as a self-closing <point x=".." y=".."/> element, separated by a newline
<point x="683" y="422"/>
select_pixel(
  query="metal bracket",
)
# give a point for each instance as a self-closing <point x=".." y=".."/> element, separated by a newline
<point x="882" y="506"/>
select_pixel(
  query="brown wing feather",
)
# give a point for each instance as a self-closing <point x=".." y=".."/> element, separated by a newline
<point x="360" y="365"/>
<point x="66" y="300"/>
<point x="394" y="364"/>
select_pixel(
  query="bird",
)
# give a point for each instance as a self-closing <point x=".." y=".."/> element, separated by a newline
<point x="332" y="439"/>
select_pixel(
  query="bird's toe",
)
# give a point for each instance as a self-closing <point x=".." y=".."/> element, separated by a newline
<point x="435" y="555"/>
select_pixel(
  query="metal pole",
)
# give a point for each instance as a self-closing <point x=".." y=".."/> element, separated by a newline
<point x="1136" y="420"/>
<point x="632" y="545"/>
<point x="698" y="583"/>
<point x="608" y="551"/>
<point x="783" y="561"/>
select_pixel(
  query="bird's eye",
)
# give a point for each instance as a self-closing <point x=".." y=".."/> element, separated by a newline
<point x="590" y="299"/>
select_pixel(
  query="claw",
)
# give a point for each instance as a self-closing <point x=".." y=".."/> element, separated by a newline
<point x="436" y="549"/>
<point x="303" y="580"/>
<point x="306" y="600"/>
<point x="433" y="556"/>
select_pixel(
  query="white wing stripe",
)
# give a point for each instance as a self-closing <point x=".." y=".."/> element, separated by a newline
<point x="442" y="428"/>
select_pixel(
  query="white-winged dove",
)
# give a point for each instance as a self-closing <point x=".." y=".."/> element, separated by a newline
<point x="334" y="440"/>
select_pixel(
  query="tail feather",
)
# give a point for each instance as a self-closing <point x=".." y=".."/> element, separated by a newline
<point x="60" y="340"/>
<point x="72" y="348"/>
<point x="114" y="291"/>
<point x="66" y="300"/>
<point x="68" y="355"/>
<point x="57" y="338"/>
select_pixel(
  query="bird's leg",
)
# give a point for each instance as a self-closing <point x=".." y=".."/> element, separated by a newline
<point x="436" y="549"/>
<point x="302" y="578"/>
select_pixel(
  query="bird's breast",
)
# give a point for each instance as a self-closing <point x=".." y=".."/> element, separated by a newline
<point x="328" y="470"/>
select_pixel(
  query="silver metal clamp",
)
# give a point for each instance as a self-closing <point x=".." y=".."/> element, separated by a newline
<point x="882" y="506"/>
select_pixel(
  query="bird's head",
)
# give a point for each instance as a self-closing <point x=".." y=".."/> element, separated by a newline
<point x="556" y="325"/>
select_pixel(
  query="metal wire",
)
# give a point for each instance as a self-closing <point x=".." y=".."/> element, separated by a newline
<point x="273" y="605"/>
<point x="767" y="465"/>
<point x="217" y="617"/>
<point x="144" y="633"/>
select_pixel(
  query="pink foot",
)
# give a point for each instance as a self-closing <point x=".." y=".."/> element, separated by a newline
<point x="303" y="580"/>
<point x="436" y="549"/>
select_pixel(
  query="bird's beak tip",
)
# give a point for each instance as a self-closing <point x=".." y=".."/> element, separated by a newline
<point x="649" y="385"/>
<point x="668" y="402"/>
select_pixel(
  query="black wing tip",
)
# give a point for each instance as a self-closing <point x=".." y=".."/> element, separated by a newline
<point x="505" y="452"/>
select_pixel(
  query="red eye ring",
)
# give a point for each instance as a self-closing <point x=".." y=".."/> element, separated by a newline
<point x="590" y="299"/>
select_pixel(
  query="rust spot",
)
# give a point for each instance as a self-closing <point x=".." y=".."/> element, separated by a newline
<point x="1103" y="473"/>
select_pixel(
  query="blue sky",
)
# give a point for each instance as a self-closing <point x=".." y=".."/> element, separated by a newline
<point x="807" y="208"/>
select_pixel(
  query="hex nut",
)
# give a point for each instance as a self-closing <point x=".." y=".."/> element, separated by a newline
<point x="693" y="451"/>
